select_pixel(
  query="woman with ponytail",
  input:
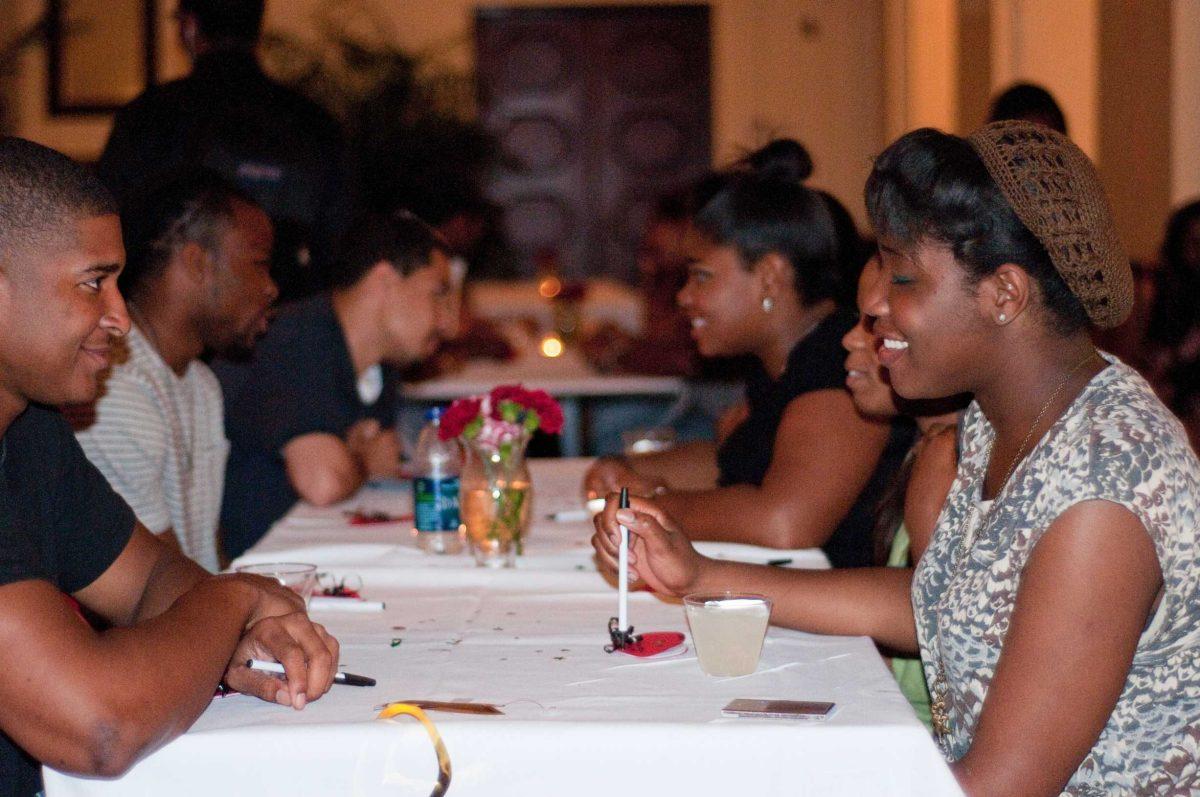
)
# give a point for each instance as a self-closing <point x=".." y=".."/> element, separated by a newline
<point x="802" y="467"/>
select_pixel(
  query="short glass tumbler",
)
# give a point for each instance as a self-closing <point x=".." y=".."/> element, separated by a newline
<point x="728" y="629"/>
<point x="296" y="576"/>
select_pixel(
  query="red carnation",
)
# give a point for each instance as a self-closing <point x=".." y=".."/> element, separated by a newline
<point x="513" y="393"/>
<point x="550" y="414"/>
<point x="458" y="415"/>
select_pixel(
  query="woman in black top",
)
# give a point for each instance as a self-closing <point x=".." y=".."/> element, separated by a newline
<point x="803" y="468"/>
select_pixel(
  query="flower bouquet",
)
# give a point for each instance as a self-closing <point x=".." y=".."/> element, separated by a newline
<point x="495" y="488"/>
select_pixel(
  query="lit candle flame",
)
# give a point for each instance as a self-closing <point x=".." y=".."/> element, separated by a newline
<point x="551" y="346"/>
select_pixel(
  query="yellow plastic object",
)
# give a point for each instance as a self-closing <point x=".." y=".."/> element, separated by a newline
<point x="443" y="756"/>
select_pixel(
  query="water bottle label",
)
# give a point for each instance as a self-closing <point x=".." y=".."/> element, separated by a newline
<point x="435" y="504"/>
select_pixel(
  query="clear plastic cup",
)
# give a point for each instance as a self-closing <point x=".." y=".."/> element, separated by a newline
<point x="728" y="629"/>
<point x="299" y="577"/>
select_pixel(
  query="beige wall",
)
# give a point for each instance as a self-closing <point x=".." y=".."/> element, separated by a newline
<point x="974" y="63"/>
<point x="1135" y="118"/>
<point x="1126" y="75"/>
<point x="805" y="69"/>
<point x="27" y="92"/>
<point x="1185" y="101"/>
<point x="1057" y="45"/>
<point x="931" y="65"/>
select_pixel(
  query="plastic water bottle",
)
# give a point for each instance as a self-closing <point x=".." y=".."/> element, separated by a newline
<point x="437" y="465"/>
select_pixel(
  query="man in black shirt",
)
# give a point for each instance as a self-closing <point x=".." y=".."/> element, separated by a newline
<point x="227" y="116"/>
<point x="73" y="698"/>
<point x="310" y="416"/>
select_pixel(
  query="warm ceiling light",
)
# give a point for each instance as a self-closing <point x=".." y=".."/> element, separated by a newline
<point x="551" y="346"/>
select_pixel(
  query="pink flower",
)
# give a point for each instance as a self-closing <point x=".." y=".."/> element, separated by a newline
<point x="494" y="434"/>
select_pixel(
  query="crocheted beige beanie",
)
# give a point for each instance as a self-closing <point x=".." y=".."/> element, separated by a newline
<point x="1055" y="191"/>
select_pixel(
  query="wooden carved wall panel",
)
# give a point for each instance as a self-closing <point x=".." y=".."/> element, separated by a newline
<point x="598" y="111"/>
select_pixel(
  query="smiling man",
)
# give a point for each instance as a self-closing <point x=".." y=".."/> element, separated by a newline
<point x="311" y="415"/>
<point x="75" y="699"/>
<point x="197" y="280"/>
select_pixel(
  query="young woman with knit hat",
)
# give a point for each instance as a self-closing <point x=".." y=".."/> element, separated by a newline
<point x="1056" y="607"/>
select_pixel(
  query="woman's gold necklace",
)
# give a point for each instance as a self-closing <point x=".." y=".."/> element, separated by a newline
<point x="939" y="703"/>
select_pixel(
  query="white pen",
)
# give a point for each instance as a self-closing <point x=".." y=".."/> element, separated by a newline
<point x="324" y="603"/>
<point x="623" y="570"/>
<point x="346" y="678"/>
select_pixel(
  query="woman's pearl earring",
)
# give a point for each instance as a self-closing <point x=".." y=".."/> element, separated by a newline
<point x="1002" y="318"/>
<point x="767" y="304"/>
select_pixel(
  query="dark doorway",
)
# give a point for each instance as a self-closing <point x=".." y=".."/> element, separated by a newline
<point x="597" y="112"/>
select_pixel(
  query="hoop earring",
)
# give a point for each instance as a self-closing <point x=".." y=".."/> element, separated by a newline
<point x="767" y="304"/>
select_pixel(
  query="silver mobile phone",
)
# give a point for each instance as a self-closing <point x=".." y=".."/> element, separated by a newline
<point x="780" y="709"/>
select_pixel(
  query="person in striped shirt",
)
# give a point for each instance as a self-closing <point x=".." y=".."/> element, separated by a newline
<point x="197" y="280"/>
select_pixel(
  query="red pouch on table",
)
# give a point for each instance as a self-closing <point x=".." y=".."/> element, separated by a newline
<point x="654" y="643"/>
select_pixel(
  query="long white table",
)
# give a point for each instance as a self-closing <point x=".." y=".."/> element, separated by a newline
<point x="576" y="720"/>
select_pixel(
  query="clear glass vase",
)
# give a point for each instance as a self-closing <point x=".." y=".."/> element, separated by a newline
<point x="495" y="494"/>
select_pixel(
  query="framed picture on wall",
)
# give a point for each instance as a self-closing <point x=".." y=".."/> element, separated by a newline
<point x="101" y="53"/>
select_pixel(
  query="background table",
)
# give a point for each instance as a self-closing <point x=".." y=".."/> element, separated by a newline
<point x="568" y="377"/>
<point x="605" y="302"/>
<point x="576" y="720"/>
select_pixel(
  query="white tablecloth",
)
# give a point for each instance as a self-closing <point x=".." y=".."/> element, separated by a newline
<point x="577" y="720"/>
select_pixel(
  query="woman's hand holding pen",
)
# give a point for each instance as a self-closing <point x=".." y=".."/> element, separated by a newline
<point x="659" y="553"/>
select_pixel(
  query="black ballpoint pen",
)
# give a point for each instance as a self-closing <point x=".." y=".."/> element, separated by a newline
<point x="344" y="678"/>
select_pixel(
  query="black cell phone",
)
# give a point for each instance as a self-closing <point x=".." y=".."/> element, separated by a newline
<point x="780" y="709"/>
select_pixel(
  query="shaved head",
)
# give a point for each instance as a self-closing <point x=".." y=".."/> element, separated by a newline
<point x="43" y="194"/>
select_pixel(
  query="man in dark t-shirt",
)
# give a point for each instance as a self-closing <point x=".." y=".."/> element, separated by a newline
<point x="73" y="698"/>
<point x="46" y="488"/>
<point x="303" y="382"/>
<point x="310" y="415"/>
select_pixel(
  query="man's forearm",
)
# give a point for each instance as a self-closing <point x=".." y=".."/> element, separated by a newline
<point x="94" y="703"/>
<point x="186" y="647"/>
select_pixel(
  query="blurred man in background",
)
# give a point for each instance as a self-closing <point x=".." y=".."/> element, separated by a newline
<point x="228" y="116"/>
